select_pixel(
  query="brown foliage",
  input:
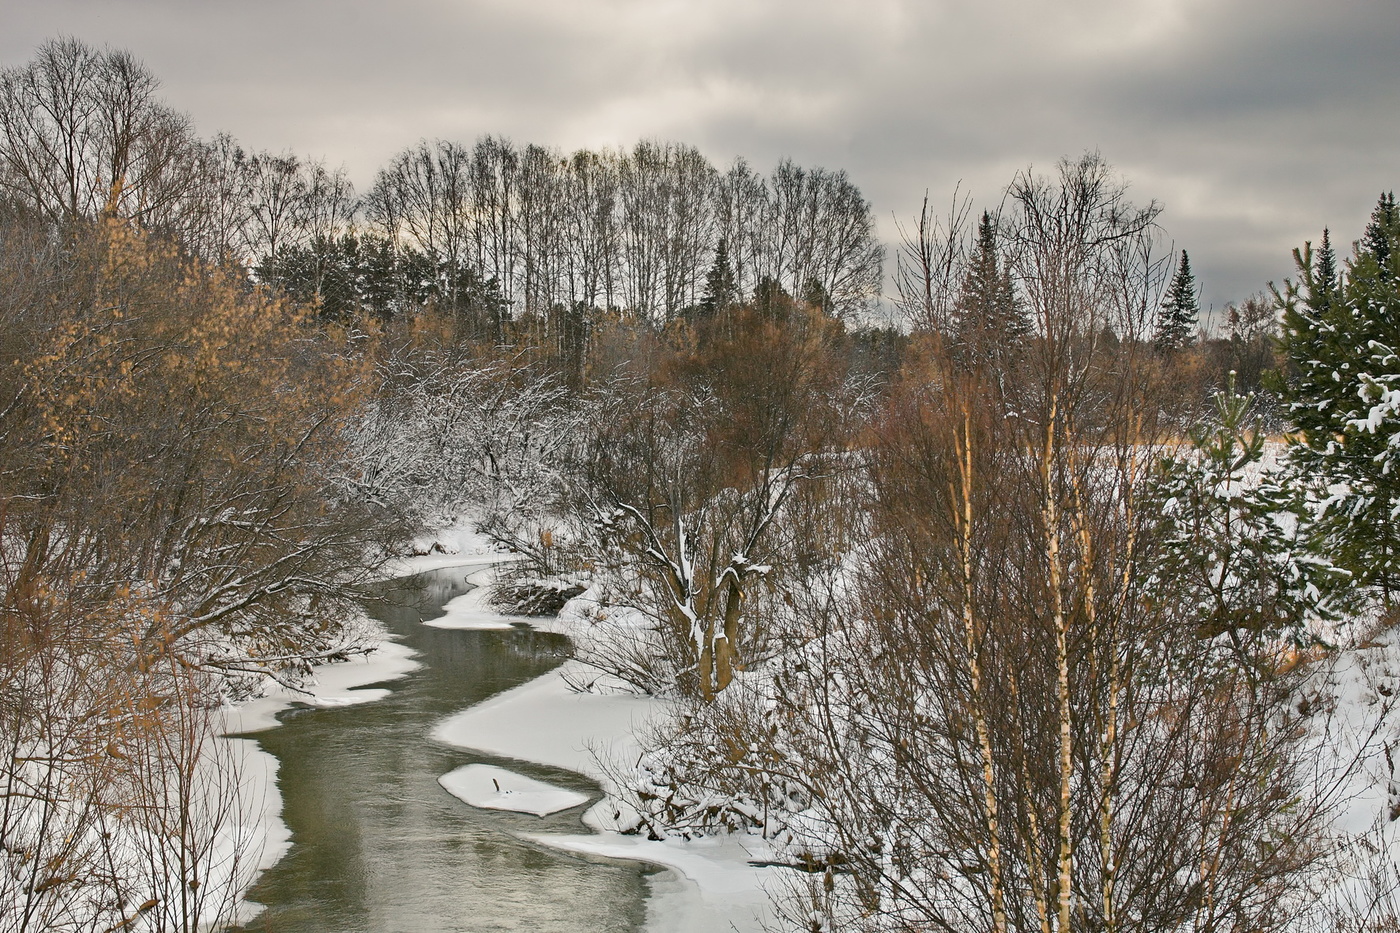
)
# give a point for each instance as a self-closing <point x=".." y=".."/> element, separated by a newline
<point x="166" y="433"/>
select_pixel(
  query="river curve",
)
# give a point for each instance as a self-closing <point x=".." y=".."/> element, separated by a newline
<point x="379" y="847"/>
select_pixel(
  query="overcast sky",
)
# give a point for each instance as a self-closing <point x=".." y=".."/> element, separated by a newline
<point x="1255" y="122"/>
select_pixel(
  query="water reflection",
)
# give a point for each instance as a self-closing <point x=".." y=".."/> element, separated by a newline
<point x="379" y="846"/>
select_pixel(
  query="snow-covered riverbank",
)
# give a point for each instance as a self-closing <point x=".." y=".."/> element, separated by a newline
<point x="710" y="884"/>
<point x="707" y="885"/>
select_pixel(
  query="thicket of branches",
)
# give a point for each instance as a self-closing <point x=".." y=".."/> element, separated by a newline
<point x="168" y="538"/>
<point x="1033" y="673"/>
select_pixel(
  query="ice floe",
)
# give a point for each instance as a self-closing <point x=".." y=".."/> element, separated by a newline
<point x="494" y="788"/>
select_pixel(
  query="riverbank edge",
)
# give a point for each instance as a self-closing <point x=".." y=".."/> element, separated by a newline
<point x="707" y="884"/>
<point x="704" y="885"/>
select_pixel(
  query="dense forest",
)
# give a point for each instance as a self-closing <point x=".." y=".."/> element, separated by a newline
<point x="1017" y="616"/>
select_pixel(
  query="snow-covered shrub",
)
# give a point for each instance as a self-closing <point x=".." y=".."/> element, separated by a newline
<point x="1236" y="537"/>
<point x="618" y="642"/>
<point x="721" y="767"/>
<point x="447" y="437"/>
<point x="523" y="592"/>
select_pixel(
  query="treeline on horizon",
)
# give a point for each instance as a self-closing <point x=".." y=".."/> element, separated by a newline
<point x="528" y="228"/>
<point x="509" y="244"/>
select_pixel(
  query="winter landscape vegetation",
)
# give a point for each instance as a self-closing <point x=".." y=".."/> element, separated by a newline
<point x="1042" y="608"/>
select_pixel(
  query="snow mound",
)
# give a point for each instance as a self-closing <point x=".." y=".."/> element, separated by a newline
<point x="361" y="695"/>
<point x="547" y="722"/>
<point x="492" y="788"/>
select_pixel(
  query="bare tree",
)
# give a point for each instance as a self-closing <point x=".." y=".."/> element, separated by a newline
<point x="741" y="213"/>
<point x="930" y="263"/>
<point x="495" y="191"/>
<point x="819" y="235"/>
<point x="690" y="477"/>
<point x="593" y="236"/>
<point x="277" y="205"/>
<point x="82" y="134"/>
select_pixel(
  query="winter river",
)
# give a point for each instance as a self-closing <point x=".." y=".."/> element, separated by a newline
<point x="378" y="846"/>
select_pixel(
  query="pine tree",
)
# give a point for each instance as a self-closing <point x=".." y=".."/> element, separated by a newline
<point x="990" y="323"/>
<point x="1176" y="324"/>
<point x="815" y="295"/>
<point x="1236" y="540"/>
<point x="1326" y="270"/>
<point x="1343" y="396"/>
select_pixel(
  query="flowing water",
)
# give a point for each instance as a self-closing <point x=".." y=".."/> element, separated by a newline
<point x="379" y="847"/>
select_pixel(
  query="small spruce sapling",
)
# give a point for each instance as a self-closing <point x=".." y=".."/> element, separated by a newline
<point x="1236" y="538"/>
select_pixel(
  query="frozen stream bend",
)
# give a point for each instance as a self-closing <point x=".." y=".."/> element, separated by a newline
<point x="379" y="845"/>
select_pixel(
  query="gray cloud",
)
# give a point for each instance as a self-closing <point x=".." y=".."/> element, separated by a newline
<point x="1254" y="122"/>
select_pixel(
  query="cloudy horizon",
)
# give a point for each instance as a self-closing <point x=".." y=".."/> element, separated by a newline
<point x="1254" y="124"/>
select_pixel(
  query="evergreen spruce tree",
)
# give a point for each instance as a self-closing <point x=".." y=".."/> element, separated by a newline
<point x="1343" y="396"/>
<point x="1326" y="270"/>
<point x="1236" y="540"/>
<point x="1380" y="233"/>
<point x="721" y="289"/>
<point x="1181" y="308"/>
<point x="815" y="295"/>
<point x="990" y="324"/>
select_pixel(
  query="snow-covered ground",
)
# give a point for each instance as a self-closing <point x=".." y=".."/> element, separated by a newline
<point x="458" y="545"/>
<point x="472" y="610"/>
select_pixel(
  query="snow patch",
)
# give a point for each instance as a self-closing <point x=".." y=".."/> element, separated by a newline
<point x="472" y="610"/>
<point x="711" y="884"/>
<point x="492" y="788"/>
<point x="547" y="722"/>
